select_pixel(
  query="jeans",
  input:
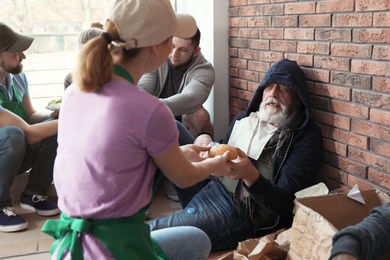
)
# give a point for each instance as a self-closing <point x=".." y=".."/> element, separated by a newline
<point x="222" y="219"/>
<point x="183" y="243"/>
<point x="16" y="157"/>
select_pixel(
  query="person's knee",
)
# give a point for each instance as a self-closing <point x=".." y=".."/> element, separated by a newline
<point x="12" y="139"/>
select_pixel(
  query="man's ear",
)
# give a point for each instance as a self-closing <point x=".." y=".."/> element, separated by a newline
<point x="196" y="52"/>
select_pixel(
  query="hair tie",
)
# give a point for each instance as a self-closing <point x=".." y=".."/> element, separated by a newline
<point x="107" y="37"/>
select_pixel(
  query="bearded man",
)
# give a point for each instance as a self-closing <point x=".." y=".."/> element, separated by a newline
<point x="28" y="138"/>
<point x="184" y="83"/>
<point x="280" y="152"/>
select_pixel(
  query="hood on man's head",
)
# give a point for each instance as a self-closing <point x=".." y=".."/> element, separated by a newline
<point x="143" y="23"/>
<point x="12" y="41"/>
<point x="285" y="72"/>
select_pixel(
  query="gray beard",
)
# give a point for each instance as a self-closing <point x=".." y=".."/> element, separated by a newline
<point x="273" y="118"/>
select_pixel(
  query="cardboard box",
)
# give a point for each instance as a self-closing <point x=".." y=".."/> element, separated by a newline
<point x="317" y="219"/>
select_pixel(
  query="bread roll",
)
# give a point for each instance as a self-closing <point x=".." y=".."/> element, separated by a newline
<point x="220" y="149"/>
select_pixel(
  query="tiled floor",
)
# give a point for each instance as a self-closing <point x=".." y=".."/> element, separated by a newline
<point x="33" y="244"/>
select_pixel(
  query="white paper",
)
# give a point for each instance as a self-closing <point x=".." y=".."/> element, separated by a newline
<point x="355" y="194"/>
<point x="312" y="191"/>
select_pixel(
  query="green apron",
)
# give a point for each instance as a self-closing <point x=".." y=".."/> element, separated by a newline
<point x="132" y="232"/>
<point x="15" y="106"/>
<point x="125" y="238"/>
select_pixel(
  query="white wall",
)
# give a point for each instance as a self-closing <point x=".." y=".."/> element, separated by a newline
<point x="212" y="19"/>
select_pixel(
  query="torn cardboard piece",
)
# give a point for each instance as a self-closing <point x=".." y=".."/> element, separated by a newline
<point x="317" y="219"/>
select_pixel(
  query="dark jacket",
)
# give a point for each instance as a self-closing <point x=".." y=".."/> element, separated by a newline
<point x="299" y="161"/>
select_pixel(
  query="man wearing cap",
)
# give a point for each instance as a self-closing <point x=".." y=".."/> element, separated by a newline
<point x="28" y="139"/>
<point x="184" y="83"/>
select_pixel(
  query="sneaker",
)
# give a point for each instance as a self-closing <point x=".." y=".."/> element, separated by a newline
<point x="40" y="204"/>
<point x="10" y="221"/>
<point x="170" y="191"/>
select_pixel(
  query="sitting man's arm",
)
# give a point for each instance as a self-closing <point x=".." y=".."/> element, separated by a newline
<point x="368" y="239"/>
<point x="34" y="133"/>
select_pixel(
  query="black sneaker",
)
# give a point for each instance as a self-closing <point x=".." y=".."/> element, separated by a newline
<point x="10" y="221"/>
<point x="40" y="204"/>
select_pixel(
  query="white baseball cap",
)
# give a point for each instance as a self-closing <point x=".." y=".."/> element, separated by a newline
<point x="142" y="23"/>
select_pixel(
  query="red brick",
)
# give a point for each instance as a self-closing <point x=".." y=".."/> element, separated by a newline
<point x="285" y="21"/>
<point x="381" y="84"/>
<point x="362" y="184"/>
<point x="370" y="129"/>
<point x="270" y="56"/>
<point x="233" y="32"/>
<point x="348" y="165"/>
<point x="378" y="68"/>
<point x="238" y="22"/>
<point x="332" y="91"/>
<point x="245" y="95"/>
<point x="233" y="92"/>
<point x="349" y="138"/>
<point x="286" y="46"/>
<point x="331" y="63"/>
<point x="238" y="103"/>
<point x="332" y="119"/>
<point x="301" y="59"/>
<point x="351" y="50"/>
<point x="371" y="99"/>
<point x="248" y="33"/>
<point x="335" y="147"/>
<point x="371" y="35"/>
<point x="335" y="6"/>
<point x="233" y="52"/>
<point x="369" y="159"/>
<point x="249" y="75"/>
<point x="272" y="9"/>
<point x="234" y="11"/>
<point x="318" y="20"/>
<point x="249" y="10"/>
<point x="248" y="54"/>
<point x="372" y="5"/>
<point x="379" y="177"/>
<point x="238" y="83"/>
<point x="300" y="8"/>
<point x="238" y="42"/>
<point x="252" y="86"/>
<point x="233" y="72"/>
<point x="333" y="35"/>
<point x="349" y="109"/>
<point x="259" y="1"/>
<point x="282" y="1"/>
<point x="351" y="80"/>
<point x="334" y="173"/>
<point x="318" y="102"/>
<point x="238" y="63"/>
<point x="381" y="53"/>
<point x="259" y="21"/>
<point x="259" y="66"/>
<point x="352" y="20"/>
<point x="299" y="34"/>
<point x="317" y="74"/>
<point x="380" y="147"/>
<point x="237" y="2"/>
<point x="325" y="129"/>
<point x="381" y="20"/>
<point x="313" y="47"/>
<point x="380" y="116"/>
<point x="270" y="33"/>
<point x="258" y="44"/>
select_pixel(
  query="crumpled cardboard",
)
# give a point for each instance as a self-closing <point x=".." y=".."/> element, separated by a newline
<point x="269" y="247"/>
<point x="317" y="219"/>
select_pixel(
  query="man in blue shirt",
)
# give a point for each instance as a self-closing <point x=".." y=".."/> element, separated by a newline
<point x="28" y="139"/>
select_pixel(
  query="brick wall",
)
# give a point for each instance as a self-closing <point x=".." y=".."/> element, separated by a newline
<point x="344" y="49"/>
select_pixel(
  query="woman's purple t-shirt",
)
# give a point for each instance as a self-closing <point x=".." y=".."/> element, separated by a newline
<point x="106" y="141"/>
